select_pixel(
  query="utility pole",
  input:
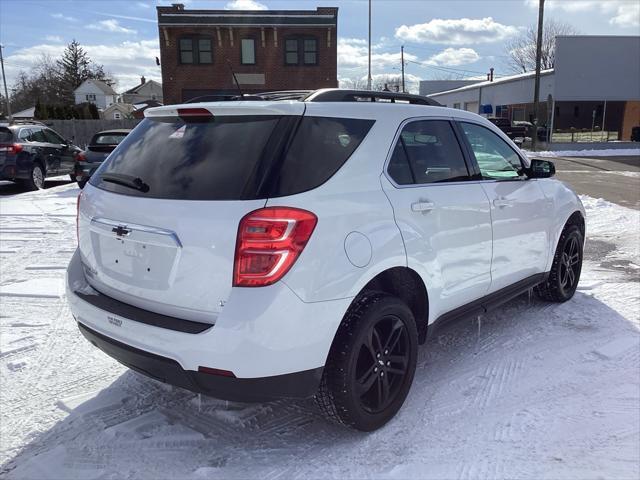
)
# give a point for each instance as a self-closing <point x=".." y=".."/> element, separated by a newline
<point x="369" y="75"/>
<point x="536" y="94"/>
<point x="4" y="79"/>
<point x="402" y="60"/>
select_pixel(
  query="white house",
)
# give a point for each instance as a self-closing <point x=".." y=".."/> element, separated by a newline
<point x="97" y="92"/>
<point x="147" y="90"/>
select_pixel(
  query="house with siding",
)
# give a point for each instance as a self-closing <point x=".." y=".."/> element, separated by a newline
<point x="96" y="92"/>
<point x="146" y="90"/>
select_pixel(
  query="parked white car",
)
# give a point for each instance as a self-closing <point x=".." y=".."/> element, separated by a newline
<point x="255" y="250"/>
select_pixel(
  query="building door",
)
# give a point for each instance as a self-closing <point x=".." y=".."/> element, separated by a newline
<point x="471" y="107"/>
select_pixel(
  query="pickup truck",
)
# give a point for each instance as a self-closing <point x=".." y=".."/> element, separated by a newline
<point x="513" y="131"/>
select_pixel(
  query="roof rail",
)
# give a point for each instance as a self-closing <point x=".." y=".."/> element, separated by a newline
<point x="26" y="122"/>
<point x="340" y="95"/>
<point x="286" y="94"/>
<point x="323" y="95"/>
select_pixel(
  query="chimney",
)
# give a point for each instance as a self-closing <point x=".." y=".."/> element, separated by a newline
<point x="490" y="74"/>
<point x="142" y="80"/>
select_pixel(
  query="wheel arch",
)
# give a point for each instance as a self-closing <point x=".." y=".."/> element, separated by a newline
<point x="406" y="284"/>
<point x="576" y="218"/>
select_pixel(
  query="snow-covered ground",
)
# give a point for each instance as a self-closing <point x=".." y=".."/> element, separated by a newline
<point x="609" y="152"/>
<point x="534" y="390"/>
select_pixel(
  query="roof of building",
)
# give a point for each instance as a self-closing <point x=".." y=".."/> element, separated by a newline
<point x="106" y="89"/>
<point x="178" y="16"/>
<point x="142" y="84"/>
<point x="26" y="113"/>
<point x="497" y="81"/>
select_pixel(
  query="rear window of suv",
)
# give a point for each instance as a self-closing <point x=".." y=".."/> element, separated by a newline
<point x="231" y="157"/>
<point x="6" y="135"/>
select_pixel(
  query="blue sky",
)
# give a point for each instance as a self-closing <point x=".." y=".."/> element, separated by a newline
<point x="442" y="39"/>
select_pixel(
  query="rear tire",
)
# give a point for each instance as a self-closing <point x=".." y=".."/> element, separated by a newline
<point x="565" y="270"/>
<point x="371" y="363"/>
<point x="36" y="178"/>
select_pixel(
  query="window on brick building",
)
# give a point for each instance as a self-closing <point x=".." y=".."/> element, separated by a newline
<point x="195" y="50"/>
<point x="248" y="51"/>
<point x="302" y="50"/>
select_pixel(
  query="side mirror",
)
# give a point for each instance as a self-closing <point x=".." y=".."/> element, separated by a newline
<point x="540" y="169"/>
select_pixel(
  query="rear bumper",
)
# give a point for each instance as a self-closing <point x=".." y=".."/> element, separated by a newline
<point x="293" y="385"/>
<point x="274" y="343"/>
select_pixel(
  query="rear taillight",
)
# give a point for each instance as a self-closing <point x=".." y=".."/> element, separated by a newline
<point x="78" y="218"/>
<point x="269" y="242"/>
<point x="12" y="148"/>
<point x="80" y="157"/>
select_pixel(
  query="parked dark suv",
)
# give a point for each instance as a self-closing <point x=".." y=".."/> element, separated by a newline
<point x="31" y="152"/>
<point x="101" y="145"/>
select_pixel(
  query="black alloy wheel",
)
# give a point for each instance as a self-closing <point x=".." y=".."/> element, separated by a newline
<point x="371" y="363"/>
<point x="382" y="363"/>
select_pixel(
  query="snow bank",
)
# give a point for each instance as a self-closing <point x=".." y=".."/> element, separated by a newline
<point x="611" y="152"/>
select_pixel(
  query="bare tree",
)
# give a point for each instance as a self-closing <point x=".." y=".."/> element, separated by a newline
<point x="521" y="51"/>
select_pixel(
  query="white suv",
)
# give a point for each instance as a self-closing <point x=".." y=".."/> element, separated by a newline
<point x="255" y="250"/>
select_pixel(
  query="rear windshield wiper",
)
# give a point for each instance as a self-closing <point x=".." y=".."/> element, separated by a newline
<point x="126" y="181"/>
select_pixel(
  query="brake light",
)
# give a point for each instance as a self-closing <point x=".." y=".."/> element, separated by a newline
<point x="269" y="242"/>
<point x="81" y="157"/>
<point x="12" y="148"/>
<point x="195" y="114"/>
<point x="78" y="218"/>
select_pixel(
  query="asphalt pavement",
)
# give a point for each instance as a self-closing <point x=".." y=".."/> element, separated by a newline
<point x="616" y="179"/>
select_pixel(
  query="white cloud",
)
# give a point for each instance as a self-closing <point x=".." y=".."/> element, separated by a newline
<point x="53" y="38"/>
<point x="456" y="31"/>
<point x="353" y="52"/>
<point x="622" y="13"/>
<point x="60" y="16"/>
<point x="111" y="25"/>
<point x="126" y="61"/>
<point x="454" y="56"/>
<point x="143" y="5"/>
<point x="245" y="5"/>
<point x="627" y="16"/>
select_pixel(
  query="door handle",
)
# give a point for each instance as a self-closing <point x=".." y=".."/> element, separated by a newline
<point x="502" y="202"/>
<point x="422" y="207"/>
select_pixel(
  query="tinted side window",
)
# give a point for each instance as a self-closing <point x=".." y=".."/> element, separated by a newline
<point x="320" y="147"/>
<point x="496" y="159"/>
<point x="427" y="152"/>
<point x="53" y="137"/>
<point x="37" y="135"/>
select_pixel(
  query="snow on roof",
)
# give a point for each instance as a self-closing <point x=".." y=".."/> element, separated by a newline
<point x="510" y="78"/>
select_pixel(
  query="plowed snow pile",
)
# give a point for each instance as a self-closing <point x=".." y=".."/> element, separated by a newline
<point x="534" y="390"/>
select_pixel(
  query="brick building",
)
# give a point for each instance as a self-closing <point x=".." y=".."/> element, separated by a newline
<point x="267" y="50"/>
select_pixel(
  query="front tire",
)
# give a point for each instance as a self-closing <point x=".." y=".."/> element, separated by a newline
<point x="565" y="270"/>
<point x="371" y="363"/>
